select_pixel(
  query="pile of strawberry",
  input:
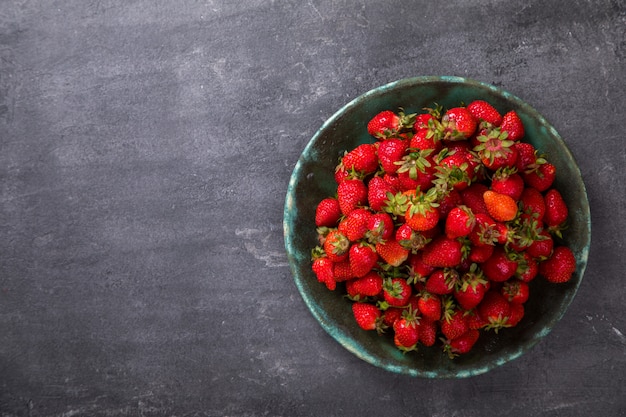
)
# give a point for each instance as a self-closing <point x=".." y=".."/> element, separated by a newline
<point x="439" y="225"/>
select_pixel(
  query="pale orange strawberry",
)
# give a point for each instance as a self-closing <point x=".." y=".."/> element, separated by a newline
<point x="501" y="207"/>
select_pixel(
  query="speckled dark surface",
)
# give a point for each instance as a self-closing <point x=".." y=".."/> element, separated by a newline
<point x="145" y="153"/>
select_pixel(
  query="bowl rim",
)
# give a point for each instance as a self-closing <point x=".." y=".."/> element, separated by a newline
<point x="346" y="340"/>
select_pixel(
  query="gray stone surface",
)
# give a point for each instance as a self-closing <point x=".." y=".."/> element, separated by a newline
<point x="145" y="151"/>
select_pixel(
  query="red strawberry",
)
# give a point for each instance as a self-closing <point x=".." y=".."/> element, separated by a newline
<point x="383" y="124"/>
<point x="500" y="206"/>
<point x="362" y="159"/>
<point x="351" y="193"/>
<point x="495" y="150"/>
<point x="532" y="203"/>
<point x="390" y="154"/>
<point x="396" y="292"/>
<point x="541" y="248"/>
<point x="380" y="228"/>
<point x="378" y="192"/>
<point x="459" y="222"/>
<point x="323" y="269"/>
<point x="472" y="197"/>
<point x="422" y="121"/>
<point x="429" y="305"/>
<point x="336" y="245"/>
<point x="540" y="178"/>
<point x="342" y="271"/>
<point x="421" y="213"/>
<point x="448" y="201"/>
<point x="458" y="124"/>
<point x="516" y="314"/>
<point x="474" y="321"/>
<point x="527" y="268"/>
<point x="482" y="110"/>
<point x="512" y="125"/>
<point x="370" y="285"/>
<point x="499" y="267"/>
<point x="392" y="252"/>
<point x="406" y="333"/>
<point x="480" y="253"/>
<point x="327" y="213"/>
<point x="362" y="259"/>
<point x="423" y="140"/>
<point x="428" y="331"/>
<point x="367" y="316"/>
<point x="471" y="288"/>
<point x="508" y="181"/>
<point x="354" y="225"/>
<point x="462" y="344"/>
<point x="418" y="270"/>
<point x="560" y="267"/>
<point x="527" y="157"/>
<point x="417" y="170"/>
<point x="410" y="239"/>
<point x="391" y="315"/>
<point x="515" y="291"/>
<point x="556" y="209"/>
<point x="443" y="252"/>
<point x="454" y="323"/>
<point x="495" y="309"/>
<point x="485" y="231"/>
<point x="455" y="171"/>
<point x="442" y="281"/>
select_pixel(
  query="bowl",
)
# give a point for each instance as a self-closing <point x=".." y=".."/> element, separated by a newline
<point x="312" y="180"/>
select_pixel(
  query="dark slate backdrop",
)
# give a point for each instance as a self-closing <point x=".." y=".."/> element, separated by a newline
<point x="145" y="151"/>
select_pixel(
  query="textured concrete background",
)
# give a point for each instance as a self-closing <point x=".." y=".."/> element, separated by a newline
<point x="145" y="151"/>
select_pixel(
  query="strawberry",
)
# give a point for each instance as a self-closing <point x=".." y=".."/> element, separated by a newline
<point x="454" y="322"/>
<point x="459" y="222"/>
<point x="485" y="231"/>
<point x="406" y="332"/>
<point x="458" y="124"/>
<point x="422" y="121"/>
<point x="541" y="248"/>
<point x="421" y="213"/>
<point x="559" y="267"/>
<point x="380" y="228"/>
<point x="480" y="253"/>
<point x="500" y="206"/>
<point x="342" y="174"/>
<point x="367" y="316"/>
<point x="471" y="288"/>
<point x="472" y="197"/>
<point x="429" y="305"/>
<point x="351" y="193"/>
<point x="410" y="239"/>
<point x="362" y="159"/>
<point x="396" y="292"/>
<point x="455" y="171"/>
<point x="532" y="203"/>
<point x="418" y="270"/>
<point x="416" y="170"/>
<point x="448" y="201"/>
<point x="362" y="258"/>
<point x="462" y="344"/>
<point x="527" y="268"/>
<point x="323" y="269"/>
<point x="384" y="124"/>
<point x="540" y="178"/>
<point x="390" y="154"/>
<point x="327" y="213"/>
<point x="516" y="314"/>
<point x="378" y="191"/>
<point x="515" y="291"/>
<point x="495" y="150"/>
<point x="512" y="125"/>
<point x="369" y="285"/>
<point x="508" y="181"/>
<point x="428" y="331"/>
<point x="342" y="271"/>
<point x="442" y="281"/>
<point x="527" y="157"/>
<point x="443" y="252"/>
<point x="354" y="225"/>
<point x="556" y="210"/>
<point x="423" y="141"/>
<point x="499" y="267"/>
<point x="483" y="111"/>
<point x="474" y="321"/>
<point x="391" y="315"/>
<point x="392" y="252"/>
<point x="336" y="246"/>
<point x="495" y="309"/>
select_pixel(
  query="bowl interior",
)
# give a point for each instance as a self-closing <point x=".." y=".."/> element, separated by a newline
<point x="312" y="180"/>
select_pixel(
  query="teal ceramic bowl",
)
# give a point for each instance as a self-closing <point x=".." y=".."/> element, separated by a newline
<point x="312" y="180"/>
